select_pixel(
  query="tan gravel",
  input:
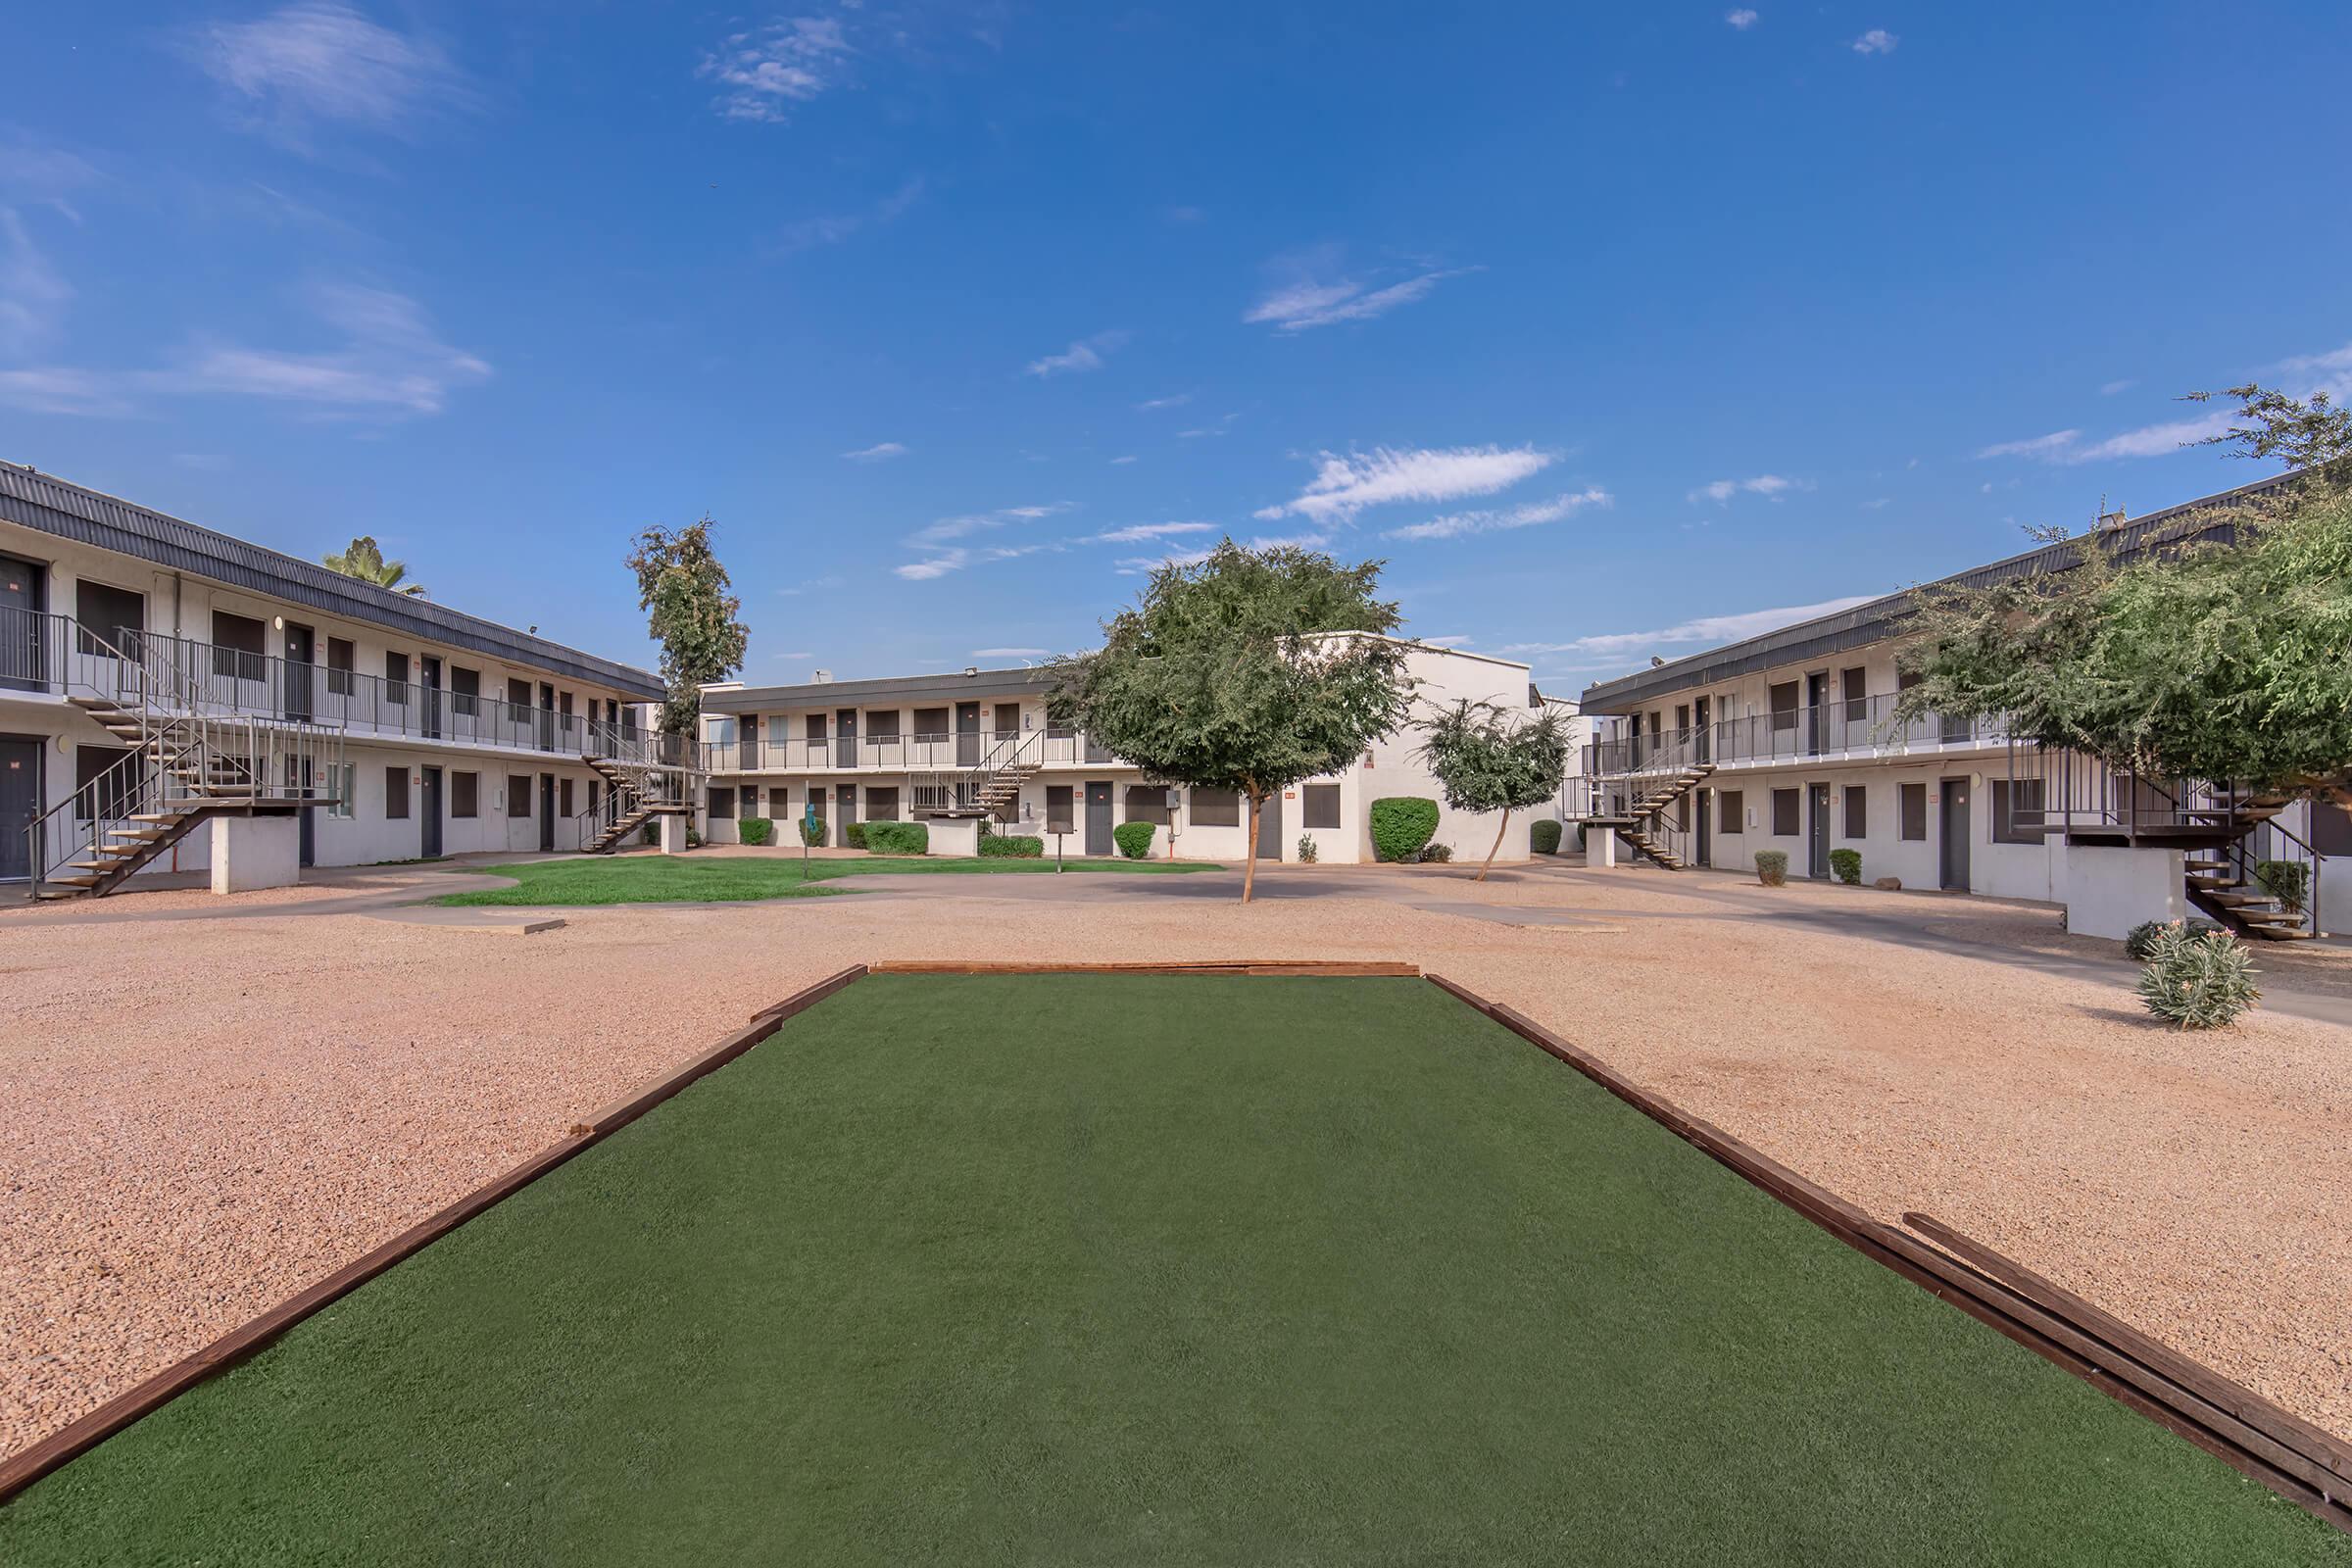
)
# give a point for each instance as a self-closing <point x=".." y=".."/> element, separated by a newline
<point x="208" y="1113"/>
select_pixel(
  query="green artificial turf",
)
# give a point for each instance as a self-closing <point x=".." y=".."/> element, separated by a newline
<point x="733" y="878"/>
<point x="1148" y="1270"/>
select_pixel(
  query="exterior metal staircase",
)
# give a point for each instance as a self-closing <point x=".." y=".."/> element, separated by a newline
<point x="987" y="788"/>
<point x="173" y="777"/>
<point x="1644" y="826"/>
<point x="2222" y="880"/>
<point x="635" y="793"/>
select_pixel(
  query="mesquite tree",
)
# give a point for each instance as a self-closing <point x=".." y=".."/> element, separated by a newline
<point x="683" y="589"/>
<point x="1235" y="673"/>
<point x="1485" y="761"/>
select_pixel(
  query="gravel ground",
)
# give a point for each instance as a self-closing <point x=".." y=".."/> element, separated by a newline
<point x="208" y="1114"/>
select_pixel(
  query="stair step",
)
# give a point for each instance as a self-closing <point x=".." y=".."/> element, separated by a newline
<point x="85" y="880"/>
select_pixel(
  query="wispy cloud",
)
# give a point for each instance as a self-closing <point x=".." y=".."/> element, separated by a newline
<point x="1316" y="540"/>
<point x="1446" y="642"/>
<point x="1011" y="652"/>
<point x="812" y="233"/>
<point x="1222" y="425"/>
<point x="1145" y="565"/>
<point x="1763" y="484"/>
<point x="1611" y="650"/>
<point x="2033" y="446"/>
<point x="1138" y="532"/>
<point x="1876" y="41"/>
<point x="32" y="292"/>
<point x="965" y="524"/>
<point x="1084" y="355"/>
<point x="1178" y="400"/>
<point x="769" y="70"/>
<point x="1345" y="485"/>
<point x="1129" y="458"/>
<point x="1462" y="524"/>
<point x="1308" y="292"/>
<point x="2108" y="389"/>
<point x="2148" y="441"/>
<point x="879" y="452"/>
<point x="315" y="64"/>
<point x="954" y="558"/>
<point x="1741" y="19"/>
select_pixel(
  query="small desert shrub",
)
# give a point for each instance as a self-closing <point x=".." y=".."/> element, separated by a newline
<point x="1846" y="867"/>
<point x="2140" y="941"/>
<point x="1307" y="849"/>
<point x="812" y="834"/>
<point x="2287" y="881"/>
<point x="693" y="837"/>
<point x="854" y="835"/>
<point x="1402" y="824"/>
<point x="1010" y="847"/>
<point x="1435" y="854"/>
<point x="897" y="838"/>
<point x="1772" y="867"/>
<point x="2198" y="980"/>
<point x="754" y="829"/>
<point x="1580" y="830"/>
<point x="1134" y="839"/>
<point x="1545" y="837"/>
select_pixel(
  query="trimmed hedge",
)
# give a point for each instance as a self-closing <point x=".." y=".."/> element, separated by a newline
<point x="999" y="847"/>
<point x="1545" y="837"/>
<point x="1134" y="839"/>
<point x="812" y="834"/>
<point x="897" y="838"/>
<point x="1772" y="867"/>
<point x="854" y="835"/>
<point x="1846" y="867"/>
<point x="1402" y="824"/>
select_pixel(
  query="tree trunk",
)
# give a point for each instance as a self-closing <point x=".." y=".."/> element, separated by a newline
<point x="1500" y="828"/>
<point x="1249" y="850"/>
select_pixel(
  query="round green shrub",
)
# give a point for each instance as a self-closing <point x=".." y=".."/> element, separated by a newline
<point x="1003" y="847"/>
<point x="1772" y="867"/>
<point x="754" y="829"/>
<point x="2197" y="980"/>
<point x="2287" y="881"/>
<point x="1435" y="854"/>
<point x="1402" y="824"/>
<point x="2140" y="941"/>
<point x="1134" y="839"/>
<point x="812" y="834"/>
<point x="1545" y="837"/>
<point x="1846" y="867"/>
<point x="897" y="838"/>
<point x="854" y="835"/>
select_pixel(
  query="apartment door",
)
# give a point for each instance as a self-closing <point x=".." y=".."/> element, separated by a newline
<point x="1702" y="747"/>
<point x="19" y="803"/>
<point x="1817" y="697"/>
<point x="1269" y="830"/>
<point x="845" y="811"/>
<point x="967" y="736"/>
<point x="23" y="663"/>
<point x="1816" y="831"/>
<point x="547" y="813"/>
<point x="1098" y="817"/>
<point x="431" y="847"/>
<point x="301" y="648"/>
<point x="844" y="737"/>
<point x="1702" y="852"/>
<point x="1952" y="863"/>
<point x="547" y="721"/>
<point x="432" y="695"/>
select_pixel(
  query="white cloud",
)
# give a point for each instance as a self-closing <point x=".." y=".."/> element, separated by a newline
<point x="43" y="171"/>
<point x="1307" y="301"/>
<point x="1136" y="533"/>
<point x="2036" y="446"/>
<point x="1145" y="565"/>
<point x="1763" y="484"/>
<point x="1223" y="424"/>
<point x="2154" y="440"/>
<point x="63" y="391"/>
<point x="313" y="62"/>
<point x="1446" y="642"/>
<point x="1706" y="630"/>
<point x="1742" y="19"/>
<point x="810" y="233"/>
<point x="1084" y="355"/>
<point x="2332" y="360"/>
<point x="781" y="657"/>
<point x="1343" y="486"/>
<point x="2108" y="389"/>
<point x="1878" y="502"/>
<point x="1011" y="652"/>
<point x="877" y="453"/>
<point x="1460" y="524"/>
<point x="1115" y="462"/>
<point x="1291" y="541"/>
<point x="32" y="294"/>
<point x="769" y="69"/>
<point x="1176" y="401"/>
<point x="1876" y="41"/>
<point x="972" y="523"/>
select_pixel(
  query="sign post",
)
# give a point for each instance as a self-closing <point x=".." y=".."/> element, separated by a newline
<point x="807" y="832"/>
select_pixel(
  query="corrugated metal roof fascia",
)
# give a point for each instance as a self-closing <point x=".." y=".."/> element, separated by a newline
<point x="826" y="694"/>
<point x="92" y="518"/>
<point x="1881" y="618"/>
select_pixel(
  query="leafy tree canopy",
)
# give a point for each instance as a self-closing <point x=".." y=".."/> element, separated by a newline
<point x="364" y="560"/>
<point x="684" y="591"/>
<point x="1222" y="675"/>
<point x="1485" y="761"/>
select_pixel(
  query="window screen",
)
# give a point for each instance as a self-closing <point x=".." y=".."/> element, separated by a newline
<point x="1320" y="804"/>
<point x="1734" y="816"/>
<point x="1783" y="705"/>
<point x="110" y="618"/>
<point x="396" y="677"/>
<point x="2011" y="799"/>
<point x="1857" y="811"/>
<point x="237" y="646"/>
<point x="518" y="794"/>
<point x="882" y="799"/>
<point x="722" y="803"/>
<point x="1057" y="807"/>
<point x="396" y="794"/>
<point x="1914" y="813"/>
<point x="564" y="798"/>
<point x="465" y="793"/>
<point x="1216" y="808"/>
<point x="1148" y="803"/>
<point x="1784" y="805"/>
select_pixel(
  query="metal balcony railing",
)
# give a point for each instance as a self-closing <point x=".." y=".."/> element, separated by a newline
<point x="1862" y="726"/>
<point x="900" y="754"/>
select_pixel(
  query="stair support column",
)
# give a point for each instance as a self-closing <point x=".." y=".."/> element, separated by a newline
<point x="673" y="832"/>
<point x="2109" y="890"/>
<point x="255" y="851"/>
<point x="1601" y="845"/>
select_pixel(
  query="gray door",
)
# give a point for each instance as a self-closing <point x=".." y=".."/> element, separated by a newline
<point x="967" y="736"/>
<point x="1816" y="831"/>
<point x="24" y="665"/>
<point x="1269" y="828"/>
<point x="547" y="813"/>
<point x="1817" y="697"/>
<point x="1954" y="859"/>
<point x="20" y="804"/>
<point x="301" y="648"/>
<point x="845" y="811"/>
<point x="432" y="815"/>
<point x="1705" y="798"/>
<point x="302" y="786"/>
<point x="432" y="693"/>
<point x="845" y="741"/>
<point x="1097" y="817"/>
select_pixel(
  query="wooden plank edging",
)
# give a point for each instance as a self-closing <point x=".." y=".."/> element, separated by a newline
<point x="1348" y="967"/>
<point x="23" y="1468"/>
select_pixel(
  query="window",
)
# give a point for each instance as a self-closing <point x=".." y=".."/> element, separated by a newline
<point x="722" y="803"/>
<point x="396" y="794"/>
<point x="396" y="678"/>
<point x="882" y="726"/>
<point x="518" y="693"/>
<point x="816" y="800"/>
<point x="465" y="793"/>
<point x="1783" y="705"/>
<point x="564" y="798"/>
<point x="1321" y="803"/>
<point x="930" y="721"/>
<point x="464" y="690"/>
<point x="1855" y="684"/>
<point x="1785" y="807"/>
<point x="882" y="802"/>
<point x="1857" y="811"/>
<point x="1057" y="807"/>
<point x="237" y="647"/>
<point x="1733" y="818"/>
<point x="518" y="794"/>
<point x="1914" y="813"/>
<point x="813" y="728"/>
<point x="110" y="619"/>
<point x="1216" y="808"/>
<point x="592" y="792"/>
<point x="1148" y="803"/>
<point x="346" y="787"/>
<point x="102" y="792"/>
<point x="2011" y="799"/>
<point x="339" y="653"/>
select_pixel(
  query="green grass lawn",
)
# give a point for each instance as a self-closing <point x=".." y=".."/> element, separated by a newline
<point x="1148" y="1270"/>
<point x="729" y="879"/>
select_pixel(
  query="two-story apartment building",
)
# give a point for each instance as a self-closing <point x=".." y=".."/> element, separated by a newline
<point x="148" y="661"/>
<point x="902" y="747"/>
<point x="1788" y="741"/>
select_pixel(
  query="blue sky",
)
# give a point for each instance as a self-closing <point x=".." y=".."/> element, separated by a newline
<point x="1614" y="330"/>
